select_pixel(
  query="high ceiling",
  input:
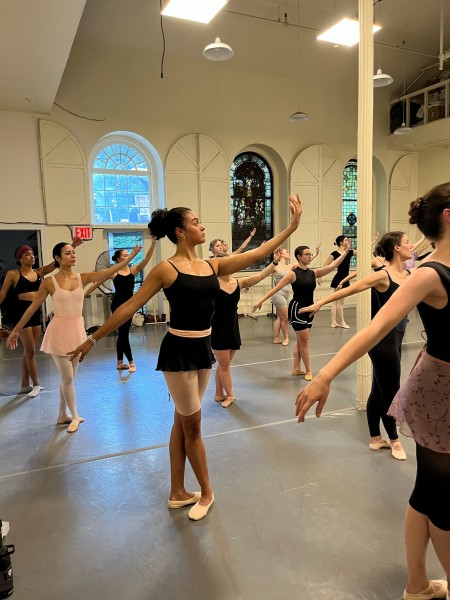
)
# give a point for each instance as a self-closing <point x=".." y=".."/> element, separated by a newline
<point x="36" y="39"/>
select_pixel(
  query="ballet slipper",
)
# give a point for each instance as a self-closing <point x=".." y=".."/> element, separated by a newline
<point x="398" y="453"/>
<point x="198" y="511"/>
<point x="438" y="588"/>
<point x="25" y="389"/>
<point x="294" y="372"/>
<point x="219" y="398"/>
<point x="122" y="366"/>
<point x="285" y="342"/>
<point x="344" y="326"/>
<point x="277" y="341"/>
<point x="308" y="376"/>
<point x="379" y="444"/>
<point x="74" y="424"/>
<point x="334" y="325"/>
<point x="132" y="367"/>
<point x="173" y="504"/>
<point x="228" y="401"/>
<point x="35" y="391"/>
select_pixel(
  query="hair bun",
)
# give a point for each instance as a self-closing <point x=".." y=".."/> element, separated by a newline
<point x="158" y="223"/>
<point x="416" y="210"/>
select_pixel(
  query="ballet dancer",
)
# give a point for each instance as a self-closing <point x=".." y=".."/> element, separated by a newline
<point x="303" y="281"/>
<point x="191" y="287"/>
<point x="422" y="405"/>
<point x="67" y="325"/>
<point x="395" y="247"/>
<point x="280" y="300"/>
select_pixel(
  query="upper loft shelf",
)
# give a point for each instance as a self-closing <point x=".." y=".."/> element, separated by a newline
<point x="425" y="111"/>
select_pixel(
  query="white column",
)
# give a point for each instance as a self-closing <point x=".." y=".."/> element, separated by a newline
<point x="365" y="140"/>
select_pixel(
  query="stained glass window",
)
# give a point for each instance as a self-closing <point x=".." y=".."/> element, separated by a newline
<point x="251" y="192"/>
<point x="121" y="185"/>
<point x="350" y="203"/>
<point x="127" y="241"/>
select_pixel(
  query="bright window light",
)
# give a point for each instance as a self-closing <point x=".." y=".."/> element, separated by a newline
<point x="344" y="33"/>
<point x="201" y="11"/>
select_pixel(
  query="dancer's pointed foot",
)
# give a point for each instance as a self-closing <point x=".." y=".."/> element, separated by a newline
<point x="276" y="341"/>
<point x="334" y="325"/>
<point x="285" y="342"/>
<point x="121" y="366"/>
<point x="344" y="326"/>
<point x="228" y="401"/>
<point x="132" y="366"/>
<point x="74" y="424"/>
<point x="219" y="398"/>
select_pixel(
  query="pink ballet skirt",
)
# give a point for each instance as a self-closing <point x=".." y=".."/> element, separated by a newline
<point x="421" y="407"/>
<point x="63" y="334"/>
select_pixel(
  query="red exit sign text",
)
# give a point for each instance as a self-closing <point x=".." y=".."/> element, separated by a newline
<point x="84" y="232"/>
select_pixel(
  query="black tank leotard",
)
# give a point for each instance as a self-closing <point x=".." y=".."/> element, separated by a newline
<point x="225" y="326"/>
<point x="303" y="289"/>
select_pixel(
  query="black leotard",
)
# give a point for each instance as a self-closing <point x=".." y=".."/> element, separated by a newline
<point x="303" y="288"/>
<point x="379" y="299"/>
<point x="225" y="326"/>
<point x="24" y="285"/>
<point x="124" y="289"/>
<point x="437" y="321"/>
<point x="191" y="299"/>
<point x="342" y="270"/>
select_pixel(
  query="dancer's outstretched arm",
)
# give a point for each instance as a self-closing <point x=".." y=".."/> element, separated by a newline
<point x="246" y="242"/>
<point x="237" y="262"/>
<point x="104" y="274"/>
<point x="288" y="278"/>
<point x="423" y="285"/>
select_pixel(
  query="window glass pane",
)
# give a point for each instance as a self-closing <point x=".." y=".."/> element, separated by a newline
<point x="350" y="204"/>
<point x="251" y="202"/>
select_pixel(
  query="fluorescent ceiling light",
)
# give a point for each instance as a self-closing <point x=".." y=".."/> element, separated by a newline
<point x="201" y="11"/>
<point x="344" y="33"/>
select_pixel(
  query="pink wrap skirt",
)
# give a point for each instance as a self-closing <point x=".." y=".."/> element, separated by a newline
<point x="63" y="334"/>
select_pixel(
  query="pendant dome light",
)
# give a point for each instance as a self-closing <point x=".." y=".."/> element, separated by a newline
<point x="218" y="50"/>
<point x="299" y="115"/>
<point x="381" y="79"/>
<point x="403" y="129"/>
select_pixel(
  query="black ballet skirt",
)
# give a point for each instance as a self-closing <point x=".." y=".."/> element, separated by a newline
<point x="185" y="353"/>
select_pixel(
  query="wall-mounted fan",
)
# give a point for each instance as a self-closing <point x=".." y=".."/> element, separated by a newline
<point x="104" y="262"/>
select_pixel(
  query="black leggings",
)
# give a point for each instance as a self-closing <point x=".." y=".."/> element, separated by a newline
<point x="123" y="342"/>
<point x="432" y="489"/>
<point x="385" y="357"/>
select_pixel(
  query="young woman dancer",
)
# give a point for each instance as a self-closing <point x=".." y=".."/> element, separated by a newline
<point x="422" y="406"/>
<point x="303" y="281"/>
<point x="67" y="326"/>
<point x="26" y="281"/>
<point x="337" y="308"/>
<point x="124" y="288"/>
<point x="225" y="335"/>
<point x="280" y="299"/>
<point x="242" y="247"/>
<point x="191" y="287"/>
<point x="386" y="356"/>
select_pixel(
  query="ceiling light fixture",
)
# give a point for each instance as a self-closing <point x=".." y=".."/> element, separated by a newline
<point x="344" y="33"/>
<point x="218" y="51"/>
<point x="201" y="11"/>
<point x="381" y="79"/>
<point x="403" y="129"/>
<point x="298" y="116"/>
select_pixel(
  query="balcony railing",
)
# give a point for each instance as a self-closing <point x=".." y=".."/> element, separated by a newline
<point x="423" y="106"/>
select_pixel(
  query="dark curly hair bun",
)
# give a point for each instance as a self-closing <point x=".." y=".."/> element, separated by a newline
<point x="426" y="211"/>
<point x="158" y="223"/>
<point x="416" y="210"/>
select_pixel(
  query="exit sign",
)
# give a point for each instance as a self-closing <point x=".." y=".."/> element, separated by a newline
<point x="83" y="232"/>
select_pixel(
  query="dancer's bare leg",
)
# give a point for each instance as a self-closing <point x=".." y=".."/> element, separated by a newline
<point x="297" y="358"/>
<point x="224" y="358"/>
<point x="220" y="393"/>
<point x="187" y="390"/>
<point x="276" y="328"/>
<point x="303" y="347"/>
<point x="28" y="338"/>
<point x="416" y="536"/>
<point x="284" y="323"/>
<point x="333" y="314"/>
<point x="441" y="544"/>
<point x="177" y="453"/>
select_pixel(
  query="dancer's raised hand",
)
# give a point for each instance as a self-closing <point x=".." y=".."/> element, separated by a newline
<point x="296" y="210"/>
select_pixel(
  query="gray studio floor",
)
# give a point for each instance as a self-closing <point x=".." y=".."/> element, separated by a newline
<point x="304" y="512"/>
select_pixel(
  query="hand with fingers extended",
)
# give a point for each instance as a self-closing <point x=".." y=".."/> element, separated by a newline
<point x="296" y="209"/>
<point x="12" y="341"/>
<point x="257" y="306"/>
<point x="277" y="255"/>
<point x="135" y="251"/>
<point x="316" y="391"/>
<point x="82" y="350"/>
<point x="312" y="309"/>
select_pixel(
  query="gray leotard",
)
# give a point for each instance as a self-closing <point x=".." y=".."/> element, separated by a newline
<point x="280" y="299"/>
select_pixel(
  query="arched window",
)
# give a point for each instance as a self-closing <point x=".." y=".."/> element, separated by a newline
<point x="121" y="184"/>
<point x="350" y="202"/>
<point x="251" y="194"/>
